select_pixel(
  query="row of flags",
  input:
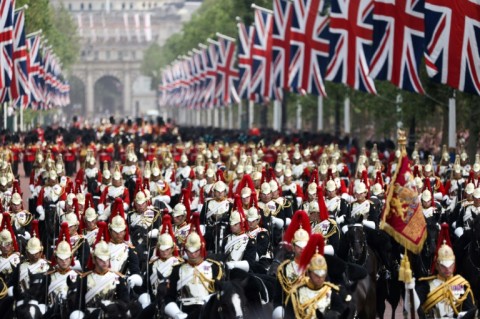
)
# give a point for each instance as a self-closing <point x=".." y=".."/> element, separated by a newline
<point x="30" y="73"/>
<point x="101" y="26"/>
<point x="300" y="44"/>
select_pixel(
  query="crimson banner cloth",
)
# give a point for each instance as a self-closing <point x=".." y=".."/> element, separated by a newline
<point x="402" y="217"/>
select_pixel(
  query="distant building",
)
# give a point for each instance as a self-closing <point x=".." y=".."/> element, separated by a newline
<point x="114" y="36"/>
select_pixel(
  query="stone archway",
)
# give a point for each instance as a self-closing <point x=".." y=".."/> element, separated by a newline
<point x="108" y="96"/>
<point x="77" y="106"/>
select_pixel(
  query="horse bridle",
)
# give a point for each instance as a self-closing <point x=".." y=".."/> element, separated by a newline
<point x="363" y="244"/>
<point x="221" y="314"/>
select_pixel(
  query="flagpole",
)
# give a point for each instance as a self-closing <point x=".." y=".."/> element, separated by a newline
<point x="21" y="119"/>
<point x="254" y="6"/>
<point x="320" y="113"/>
<point x="5" y="116"/>
<point x="452" y="122"/>
<point x="24" y="7"/>
<point x="250" y="113"/>
<point x="226" y="37"/>
<point x="34" y="33"/>
<point x="346" y="115"/>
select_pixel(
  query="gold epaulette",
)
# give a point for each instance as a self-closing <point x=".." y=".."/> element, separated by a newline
<point x="333" y="286"/>
<point x="220" y="268"/>
<point x="427" y="278"/>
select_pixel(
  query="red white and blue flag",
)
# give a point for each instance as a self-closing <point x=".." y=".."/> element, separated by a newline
<point x="309" y="47"/>
<point x="209" y="56"/>
<point x="20" y="83"/>
<point x="261" y="81"/>
<point x="452" y="37"/>
<point x="350" y="44"/>
<point x="227" y="73"/>
<point x="6" y="41"/>
<point x="282" y="18"/>
<point x="398" y="34"/>
<point x="245" y="41"/>
<point x="33" y="45"/>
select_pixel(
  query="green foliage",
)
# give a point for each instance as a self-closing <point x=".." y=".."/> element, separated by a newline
<point x="57" y="26"/>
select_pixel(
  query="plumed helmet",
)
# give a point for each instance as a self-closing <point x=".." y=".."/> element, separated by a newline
<point x="102" y="250"/>
<point x="179" y="210"/>
<point x="252" y="214"/>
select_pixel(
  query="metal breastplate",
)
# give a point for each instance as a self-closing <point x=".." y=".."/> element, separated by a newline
<point x="41" y="266"/>
<point x="305" y="295"/>
<point x="443" y="309"/>
<point x="181" y="233"/>
<point x="195" y="285"/>
<point x="58" y="284"/>
<point x="361" y="209"/>
<point x="235" y="247"/>
<point x="7" y="264"/>
<point x="292" y="272"/>
<point x="144" y="220"/>
<point x="114" y="192"/>
<point x="108" y="289"/>
<point x="119" y="256"/>
<point x="333" y="204"/>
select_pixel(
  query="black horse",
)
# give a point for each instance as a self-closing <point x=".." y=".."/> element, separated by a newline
<point x="468" y="259"/>
<point x="422" y="263"/>
<point x="359" y="253"/>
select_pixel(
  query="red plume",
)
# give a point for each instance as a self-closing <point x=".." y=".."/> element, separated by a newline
<point x="7" y="224"/>
<point x="246" y="182"/>
<point x="220" y="176"/>
<point x="63" y="235"/>
<point x="77" y="213"/>
<point x="330" y="175"/>
<point x="379" y="178"/>
<point x="365" y="179"/>
<point x="167" y="228"/>
<point x="444" y="235"/>
<point x="314" y="178"/>
<point x="264" y="176"/>
<point x="16" y="187"/>
<point x="315" y="245"/>
<point x="471" y="177"/>
<point x="69" y="188"/>
<point x="416" y="172"/>
<point x="117" y="209"/>
<point x="321" y="204"/>
<point x="195" y="227"/>
<point x="88" y="202"/>
<point x="299" y="220"/>
<point x="35" y="232"/>
<point x="78" y="188"/>
<point x="101" y="235"/>
<point x="243" y="219"/>
<point x="186" y="203"/>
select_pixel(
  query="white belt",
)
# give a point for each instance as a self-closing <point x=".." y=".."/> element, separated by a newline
<point x="195" y="300"/>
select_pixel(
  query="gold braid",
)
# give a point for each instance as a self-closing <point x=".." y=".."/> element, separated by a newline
<point x="4" y="291"/>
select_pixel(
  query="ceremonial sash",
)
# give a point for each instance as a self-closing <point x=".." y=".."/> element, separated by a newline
<point x="54" y="285"/>
<point x="443" y="293"/>
<point x="332" y="204"/>
<point x="6" y="262"/>
<point x="161" y="269"/>
<point x="91" y="234"/>
<point x="230" y="245"/>
<point x="100" y="285"/>
<point x="216" y="206"/>
<point x="359" y="208"/>
<point x="32" y="269"/>
<point x="185" y="279"/>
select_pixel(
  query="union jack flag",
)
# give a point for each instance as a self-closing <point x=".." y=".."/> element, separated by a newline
<point x="6" y="41"/>
<point x="398" y="31"/>
<point x="33" y="44"/>
<point x="261" y="52"/>
<point x="227" y="74"/>
<point x="197" y="73"/>
<point x="20" y="83"/>
<point x="309" y="47"/>
<point x="351" y="38"/>
<point x="452" y="37"/>
<point x="245" y="41"/>
<point x="282" y="17"/>
<point x="209" y="56"/>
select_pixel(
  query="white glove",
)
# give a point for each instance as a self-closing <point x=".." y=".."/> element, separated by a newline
<point x="77" y="314"/>
<point x="125" y="206"/>
<point x="153" y="233"/>
<point x="340" y="219"/>
<point x="328" y="250"/>
<point x="459" y="232"/>
<point x="410" y="285"/>
<point x="145" y="300"/>
<point x="77" y="265"/>
<point x="26" y="236"/>
<point x="135" y="280"/>
<point x="32" y="188"/>
<point x="241" y="264"/>
<point x="10" y="291"/>
<point x="369" y="224"/>
<point x="277" y="222"/>
<point x="173" y="311"/>
<point x="100" y="208"/>
<point x="288" y="221"/>
<point x="345" y="229"/>
<point x="43" y="309"/>
<point x="164" y="198"/>
<point x="41" y="212"/>
<point x="278" y="313"/>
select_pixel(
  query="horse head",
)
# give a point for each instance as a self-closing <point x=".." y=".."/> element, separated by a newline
<point x="282" y="252"/>
<point x="432" y="234"/>
<point x="230" y="300"/>
<point x="37" y="287"/>
<point x="73" y="294"/>
<point x="357" y="244"/>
